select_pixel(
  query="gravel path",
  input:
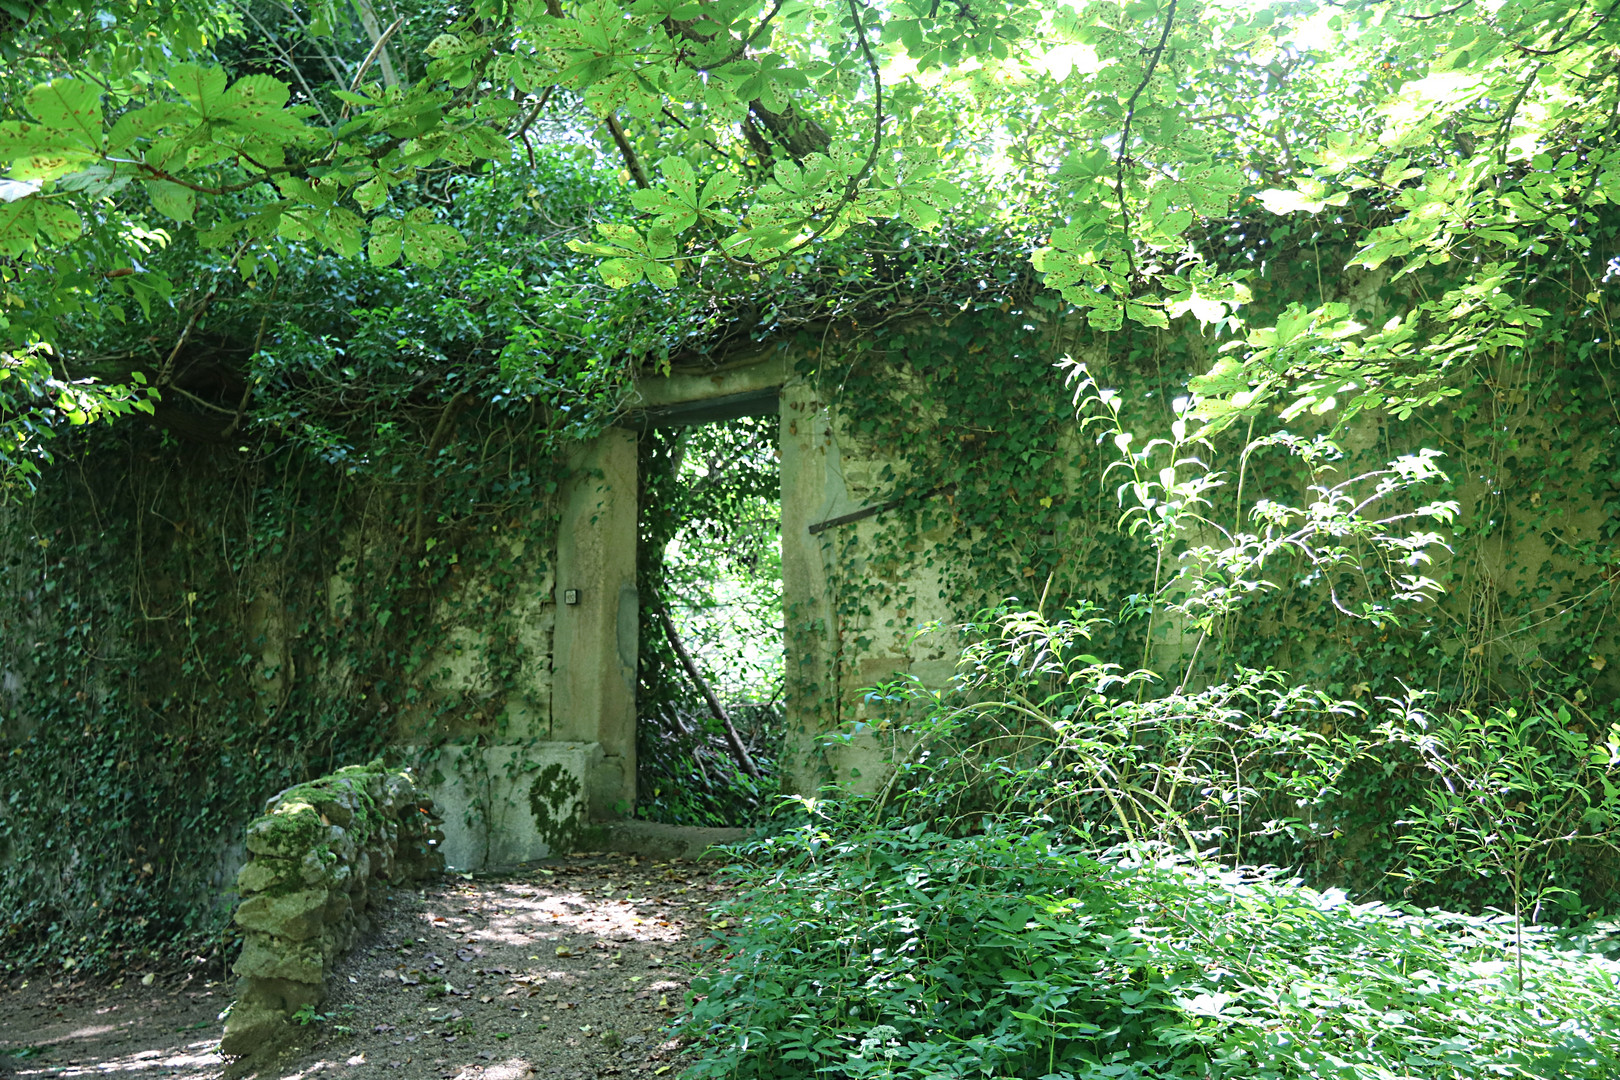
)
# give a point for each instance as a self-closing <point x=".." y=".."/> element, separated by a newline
<point x="570" y="970"/>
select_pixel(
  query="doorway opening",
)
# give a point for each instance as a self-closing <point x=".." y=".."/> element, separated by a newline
<point x="709" y="572"/>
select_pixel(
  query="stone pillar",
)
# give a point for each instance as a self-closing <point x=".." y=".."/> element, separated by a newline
<point x="842" y="636"/>
<point x="813" y="490"/>
<point x="597" y="634"/>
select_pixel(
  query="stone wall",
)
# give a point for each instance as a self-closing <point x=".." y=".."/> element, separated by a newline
<point x="312" y="859"/>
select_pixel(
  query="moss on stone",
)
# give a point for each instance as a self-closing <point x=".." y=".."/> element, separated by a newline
<point x="553" y="790"/>
<point x="310" y="864"/>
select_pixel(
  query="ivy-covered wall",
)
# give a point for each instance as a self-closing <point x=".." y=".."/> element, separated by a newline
<point x="995" y="486"/>
<point x="186" y="628"/>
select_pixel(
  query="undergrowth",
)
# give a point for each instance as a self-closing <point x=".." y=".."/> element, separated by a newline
<point x="891" y="950"/>
<point x="1052" y="887"/>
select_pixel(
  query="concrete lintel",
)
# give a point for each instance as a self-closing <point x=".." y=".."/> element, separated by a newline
<point x="766" y="371"/>
<point x="765" y="402"/>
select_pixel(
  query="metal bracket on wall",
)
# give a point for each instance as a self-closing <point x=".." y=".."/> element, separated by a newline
<point x="872" y="511"/>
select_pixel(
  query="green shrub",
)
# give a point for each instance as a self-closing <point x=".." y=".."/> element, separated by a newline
<point x="894" y="951"/>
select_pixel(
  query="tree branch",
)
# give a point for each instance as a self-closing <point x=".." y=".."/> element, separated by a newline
<point x="1125" y="144"/>
<point x="733" y="740"/>
<point x="631" y="162"/>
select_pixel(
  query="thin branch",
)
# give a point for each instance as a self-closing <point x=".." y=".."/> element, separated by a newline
<point x="523" y="128"/>
<point x="247" y="382"/>
<point x="333" y="64"/>
<point x="287" y="59"/>
<point x="631" y="161"/>
<point x="1125" y="143"/>
<point x="435" y="441"/>
<point x="196" y="313"/>
<point x="733" y="740"/>
<point x="194" y="399"/>
<point x="742" y="46"/>
<point x="159" y="174"/>
<point x="1434" y="14"/>
<point x="376" y="51"/>
<point x="853" y="187"/>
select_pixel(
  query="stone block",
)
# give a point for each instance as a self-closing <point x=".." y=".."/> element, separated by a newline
<point x="337" y="811"/>
<point x="281" y="994"/>
<point x="296" y="916"/>
<point x="252" y="1027"/>
<point x="263" y="873"/>
<point x="341" y="843"/>
<point x="321" y="868"/>
<point x="338" y="907"/>
<point x="287" y="833"/>
<point x="307" y="888"/>
<point x="267" y="957"/>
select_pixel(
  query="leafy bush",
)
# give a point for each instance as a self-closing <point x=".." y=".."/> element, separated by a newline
<point x="1036" y="725"/>
<point x="896" y="951"/>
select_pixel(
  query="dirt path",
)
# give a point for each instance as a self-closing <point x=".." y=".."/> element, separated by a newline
<point x="567" y="971"/>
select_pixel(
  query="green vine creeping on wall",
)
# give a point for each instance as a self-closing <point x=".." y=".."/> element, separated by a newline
<point x="178" y="643"/>
<point x="336" y="537"/>
<point x="1002" y="492"/>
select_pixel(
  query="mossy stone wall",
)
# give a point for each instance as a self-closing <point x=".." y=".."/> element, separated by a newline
<point x="313" y="860"/>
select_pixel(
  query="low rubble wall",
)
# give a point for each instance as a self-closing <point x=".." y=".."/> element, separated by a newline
<point x="312" y="859"/>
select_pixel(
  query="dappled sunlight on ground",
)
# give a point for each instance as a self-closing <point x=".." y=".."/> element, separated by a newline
<point x="194" y="1060"/>
<point x="567" y="971"/>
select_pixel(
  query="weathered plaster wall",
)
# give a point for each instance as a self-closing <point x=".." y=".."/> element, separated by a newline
<point x="565" y="756"/>
<point x="242" y="626"/>
<point x="838" y="644"/>
<point x="1507" y="551"/>
<point x="594" y="664"/>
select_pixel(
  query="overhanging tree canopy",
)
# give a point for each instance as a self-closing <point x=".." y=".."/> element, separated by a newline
<point x="1457" y="145"/>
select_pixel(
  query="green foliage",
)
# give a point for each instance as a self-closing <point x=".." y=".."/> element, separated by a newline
<point x="710" y="553"/>
<point x="308" y="1014"/>
<point x="35" y="403"/>
<point x="892" y="950"/>
<point x="1511" y="790"/>
<point x="373" y="459"/>
<point x="1242" y="556"/>
<point x="1036" y="726"/>
<point x="1444" y="153"/>
<point x="337" y="252"/>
